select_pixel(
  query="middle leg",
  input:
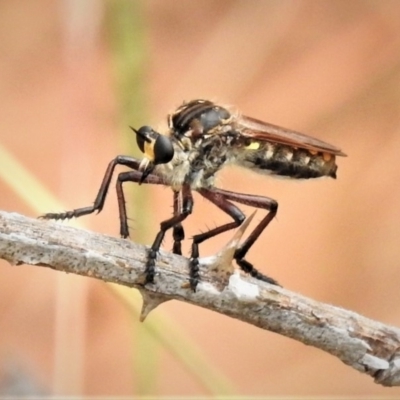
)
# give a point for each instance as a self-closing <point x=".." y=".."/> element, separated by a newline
<point x="178" y="232"/>
<point x="180" y="213"/>
<point x="187" y="207"/>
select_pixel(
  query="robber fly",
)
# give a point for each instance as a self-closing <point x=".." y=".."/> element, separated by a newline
<point x="202" y="138"/>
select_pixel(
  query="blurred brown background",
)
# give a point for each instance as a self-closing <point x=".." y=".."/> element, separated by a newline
<point x="330" y="69"/>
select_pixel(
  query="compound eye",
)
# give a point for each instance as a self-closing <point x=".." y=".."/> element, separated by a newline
<point x="157" y="148"/>
<point x="143" y="137"/>
<point x="163" y="150"/>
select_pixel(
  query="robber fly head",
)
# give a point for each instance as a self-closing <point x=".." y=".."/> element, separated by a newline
<point x="157" y="149"/>
<point x="196" y="119"/>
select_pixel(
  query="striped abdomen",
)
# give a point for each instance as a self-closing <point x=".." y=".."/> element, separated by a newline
<point x="282" y="160"/>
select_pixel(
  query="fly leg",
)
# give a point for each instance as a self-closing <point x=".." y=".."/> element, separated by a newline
<point x="177" y="232"/>
<point x="180" y="213"/>
<point x="262" y="202"/>
<point x="131" y="176"/>
<point x="136" y="177"/>
<point x="102" y="193"/>
<point x="187" y="207"/>
<point x="221" y="202"/>
<point x="220" y="198"/>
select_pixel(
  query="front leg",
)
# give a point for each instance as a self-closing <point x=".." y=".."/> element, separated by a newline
<point x="102" y="193"/>
<point x="136" y="177"/>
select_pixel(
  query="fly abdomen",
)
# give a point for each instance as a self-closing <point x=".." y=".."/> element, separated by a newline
<point x="288" y="161"/>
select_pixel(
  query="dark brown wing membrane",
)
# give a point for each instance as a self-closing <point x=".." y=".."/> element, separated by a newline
<point x="260" y="130"/>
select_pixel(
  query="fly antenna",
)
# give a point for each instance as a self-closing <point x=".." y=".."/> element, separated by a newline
<point x="141" y="134"/>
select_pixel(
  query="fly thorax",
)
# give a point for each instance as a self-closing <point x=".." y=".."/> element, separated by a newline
<point x="208" y="155"/>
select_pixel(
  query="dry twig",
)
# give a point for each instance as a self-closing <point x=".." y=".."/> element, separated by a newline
<point x="366" y="345"/>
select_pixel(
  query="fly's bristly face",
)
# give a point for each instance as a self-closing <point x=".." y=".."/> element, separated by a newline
<point x="156" y="148"/>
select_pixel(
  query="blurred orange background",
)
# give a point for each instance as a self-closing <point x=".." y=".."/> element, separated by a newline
<point x="68" y="92"/>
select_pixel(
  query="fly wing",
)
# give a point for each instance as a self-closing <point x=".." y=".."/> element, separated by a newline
<point x="263" y="131"/>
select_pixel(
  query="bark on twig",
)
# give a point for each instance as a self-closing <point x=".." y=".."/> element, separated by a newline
<point x="366" y="345"/>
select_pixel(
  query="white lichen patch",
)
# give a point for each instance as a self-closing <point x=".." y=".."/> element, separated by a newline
<point x="374" y="362"/>
<point x="208" y="261"/>
<point x="207" y="287"/>
<point x="396" y="362"/>
<point x="242" y="289"/>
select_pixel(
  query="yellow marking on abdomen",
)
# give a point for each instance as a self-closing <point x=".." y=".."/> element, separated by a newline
<point x="253" y="146"/>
